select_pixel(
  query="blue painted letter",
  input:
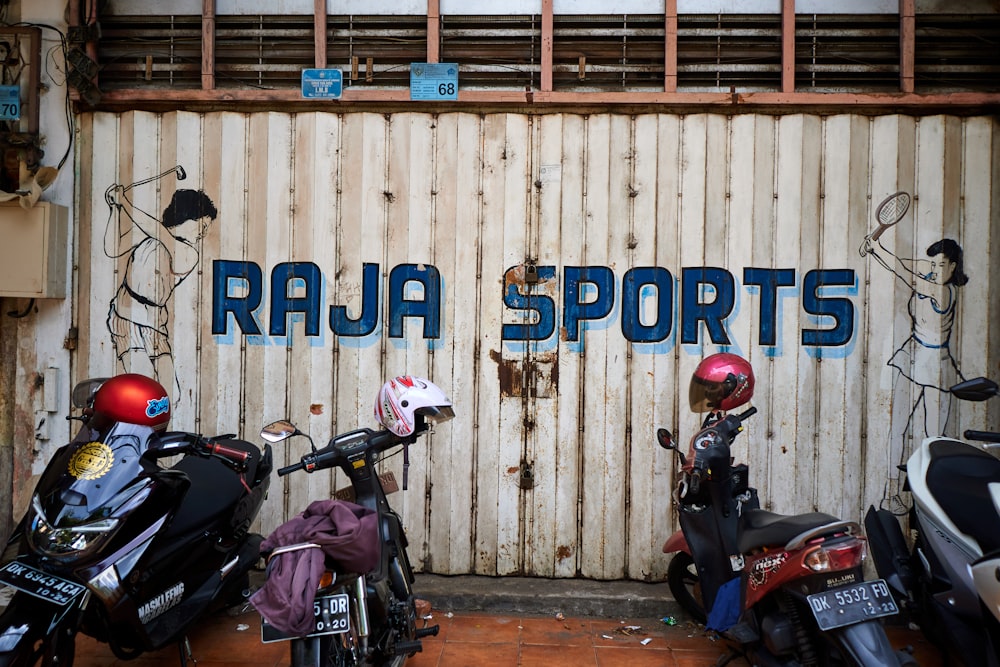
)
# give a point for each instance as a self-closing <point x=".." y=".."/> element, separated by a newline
<point x="540" y="307"/>
<point x="428" y="307"/>
<point x="712" y="313"/>
<point x="600" y="307"/>
<point x="769" y="281"/>
<point x="341" y="323"/>
<point x="840" y="309"/>
<point x="295" y="273"/>
<point x="633" y="282"/>
<point x="225" y="274"/>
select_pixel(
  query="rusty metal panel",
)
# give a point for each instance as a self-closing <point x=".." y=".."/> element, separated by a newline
<point x="560" y="275"/>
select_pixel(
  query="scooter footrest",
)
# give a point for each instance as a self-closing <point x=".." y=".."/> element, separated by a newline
<point x="406" y="648"/>
<point x="742" y="633"/>
<point x="428" y="632"/>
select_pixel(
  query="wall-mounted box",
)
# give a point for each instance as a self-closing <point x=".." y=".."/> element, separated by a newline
<point x="33" y="250"/>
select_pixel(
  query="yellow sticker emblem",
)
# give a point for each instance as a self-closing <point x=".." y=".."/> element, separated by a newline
<point x="91" y="461"/>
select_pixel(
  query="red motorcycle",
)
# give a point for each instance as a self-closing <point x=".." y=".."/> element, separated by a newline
<point x="782" y="590"/>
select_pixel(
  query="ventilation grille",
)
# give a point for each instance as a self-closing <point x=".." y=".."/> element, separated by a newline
<point x="150" y="51"/>
<point x="845" y="53"/>
<point x="957" y="53"/>
<point x="833" y="53"/>
<point x="493" y="52"/>
<point x="716" y="53"/>
<point x="375" y="51"/>
<point x="610" y="53"/>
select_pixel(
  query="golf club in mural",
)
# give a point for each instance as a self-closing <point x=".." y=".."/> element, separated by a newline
<point x="924" y="358"/>
<point x="160" y="252"/>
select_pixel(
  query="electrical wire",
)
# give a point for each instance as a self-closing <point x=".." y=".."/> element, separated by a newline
<point x="64" y="47"/>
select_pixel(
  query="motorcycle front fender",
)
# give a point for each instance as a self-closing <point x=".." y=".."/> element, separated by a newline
<point x="866" y="643"/>
<point x="26" y="621"/>
<point x="676" y="542"/>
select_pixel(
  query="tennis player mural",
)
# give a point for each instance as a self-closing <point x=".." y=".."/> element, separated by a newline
<point x="924" y="358"/>
<point x="160" y="252"/>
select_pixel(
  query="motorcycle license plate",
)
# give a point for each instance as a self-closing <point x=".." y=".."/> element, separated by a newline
<point x="847" y="605"/>
<point x="40" y="584"/>
<point x="332" y="616"/>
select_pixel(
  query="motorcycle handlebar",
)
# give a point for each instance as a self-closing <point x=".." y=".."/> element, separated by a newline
<point x="376" y="441"/>
<point x="982" y="436"/>
<point x="289" y="469"/>
<point x="743" y="416"/>
<point x="230" y="453"/>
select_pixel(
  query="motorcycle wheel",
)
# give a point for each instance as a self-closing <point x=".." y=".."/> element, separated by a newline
<point x="685" y="585"/>
<point x="327" y="651"/>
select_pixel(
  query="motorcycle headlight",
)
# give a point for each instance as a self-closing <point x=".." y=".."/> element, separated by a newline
<point x="69" y="542"/>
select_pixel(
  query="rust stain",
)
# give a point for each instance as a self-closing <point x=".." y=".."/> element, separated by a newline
<point x="509" y="374"/>
<point x="316" y="409"/>
<point x="538" y="377"/>
<point x="563" y="552"/>
<point x="512" y="470"/>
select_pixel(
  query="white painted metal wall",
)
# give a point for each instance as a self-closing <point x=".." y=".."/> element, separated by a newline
<point x="476" y="195"/>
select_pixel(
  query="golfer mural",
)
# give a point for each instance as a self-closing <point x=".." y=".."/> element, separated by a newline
<point x="925" y="357"/>
<point x="160" y="252"/>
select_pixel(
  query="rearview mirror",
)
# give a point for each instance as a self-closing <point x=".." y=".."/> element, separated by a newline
<point x="665" y="438"/>
<point x="278" y="431"/>
<point x="978" y="389"/>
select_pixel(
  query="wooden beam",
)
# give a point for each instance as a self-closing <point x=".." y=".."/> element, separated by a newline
<point x="433" y="31"/>
<point x="208" y="45"/>
<point x="788" y="46"/>
<point x="768" y="102"/>
<point x="547" y="29"/>
<point x="670" y="47"/>
<point x="319" y="32"/>
<point x="907" y="44"/>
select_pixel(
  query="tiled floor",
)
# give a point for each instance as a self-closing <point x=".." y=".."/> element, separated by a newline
<point x="474" y="640"/>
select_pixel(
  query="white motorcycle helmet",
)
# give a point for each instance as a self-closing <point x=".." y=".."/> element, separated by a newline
<point x="401" y="399"/>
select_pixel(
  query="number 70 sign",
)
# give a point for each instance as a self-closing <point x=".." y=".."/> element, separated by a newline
<point x="10" y="103"/>
<point x="433" y="81"/>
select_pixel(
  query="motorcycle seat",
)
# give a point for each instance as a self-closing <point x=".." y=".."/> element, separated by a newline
<point x="760" y="528"/>
<point x="214" y="492"/>
<point x="958" y="476"/>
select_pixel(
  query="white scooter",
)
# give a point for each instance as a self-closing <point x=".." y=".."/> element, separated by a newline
<point x="949" y="582"/>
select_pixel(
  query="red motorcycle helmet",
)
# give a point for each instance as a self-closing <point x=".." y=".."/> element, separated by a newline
<point x="722" y="381"/>
<point x="134" y="399"/>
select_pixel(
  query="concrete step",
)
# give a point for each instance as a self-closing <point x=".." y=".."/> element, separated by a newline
<point x="531" y="595"/>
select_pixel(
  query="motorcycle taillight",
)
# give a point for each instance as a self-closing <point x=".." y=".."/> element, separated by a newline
<point x="836" y="556"/>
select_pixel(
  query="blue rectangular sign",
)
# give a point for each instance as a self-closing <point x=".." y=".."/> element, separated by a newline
<point x="433" y="81"/>
<point x="322" y="83"/>
<point x="10" y="103"/>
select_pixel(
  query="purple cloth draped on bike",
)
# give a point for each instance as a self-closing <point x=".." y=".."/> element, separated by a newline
<point x="346" y="533"/>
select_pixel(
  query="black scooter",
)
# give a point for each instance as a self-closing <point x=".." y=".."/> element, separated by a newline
<point x="119" y="546"/>
<point x="366" y="618"/>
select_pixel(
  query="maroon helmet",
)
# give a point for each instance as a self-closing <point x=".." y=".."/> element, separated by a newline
<point x="722" y="381"/>
<point x="134" y="399"/>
